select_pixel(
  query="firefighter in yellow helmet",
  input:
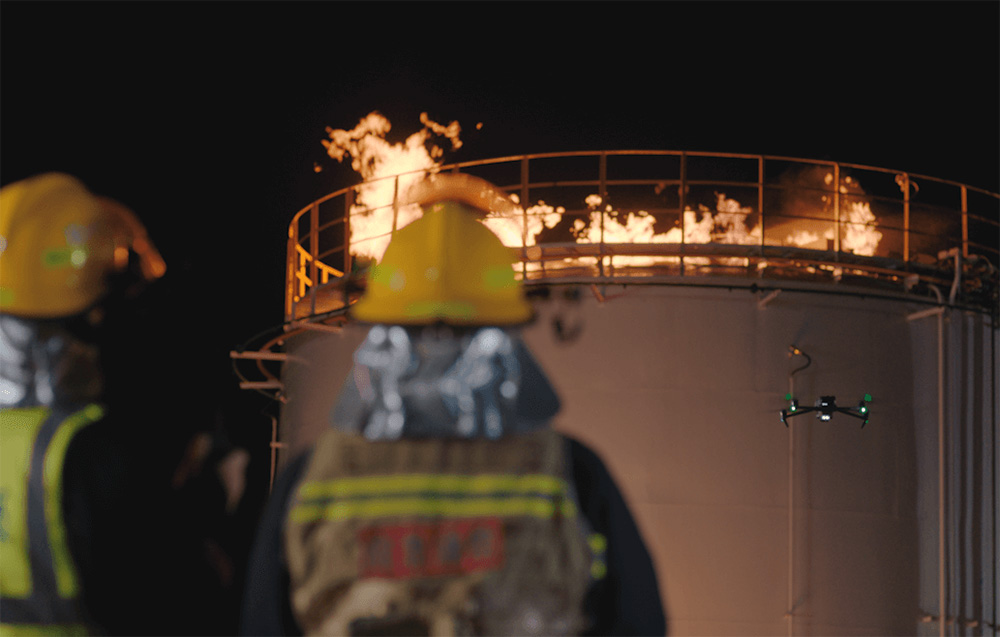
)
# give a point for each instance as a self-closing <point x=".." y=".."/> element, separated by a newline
<point x="60" y="243"/>
<point x="440" y="500"/>
<point x="447" y="267"/>
<point x="61" y="248"/>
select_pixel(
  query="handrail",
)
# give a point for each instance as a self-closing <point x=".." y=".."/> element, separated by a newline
<point x="853" y="200"/>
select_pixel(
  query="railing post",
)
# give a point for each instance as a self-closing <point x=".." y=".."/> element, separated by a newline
<point x="836" y="212"/>
<point x="348" y="204"/>
<point x="602" y="177"/>
<point x="524" y="217"/>
<point x="395" y="204"/>
<point x="760" y="200"/>
<point x="290" y="274"/>
<point x="313" y="251"/>
<point x="682" y="193"/>
<point x="906" y="218"/>
<point x="275" y="445"/>
<point x="965" y="222"/>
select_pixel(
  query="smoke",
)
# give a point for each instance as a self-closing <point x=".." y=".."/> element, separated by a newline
<point x="809" y="194"/>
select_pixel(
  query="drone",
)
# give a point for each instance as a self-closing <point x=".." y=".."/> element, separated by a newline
<point x="825" y="407"/>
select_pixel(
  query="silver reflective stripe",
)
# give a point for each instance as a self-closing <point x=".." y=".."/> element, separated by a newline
<point x="44" y="605"/>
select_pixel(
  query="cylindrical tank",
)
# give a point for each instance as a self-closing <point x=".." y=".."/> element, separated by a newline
<point x="760" y="526"/>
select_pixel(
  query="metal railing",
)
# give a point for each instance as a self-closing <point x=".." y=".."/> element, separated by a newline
<point x="647" y="216"/>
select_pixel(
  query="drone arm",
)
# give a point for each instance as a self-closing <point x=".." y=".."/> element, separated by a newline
<point x="798" y="412"/>
<point x="853" y="412"/>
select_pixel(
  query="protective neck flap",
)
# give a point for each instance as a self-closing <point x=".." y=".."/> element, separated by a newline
<point x="436" y="382"/>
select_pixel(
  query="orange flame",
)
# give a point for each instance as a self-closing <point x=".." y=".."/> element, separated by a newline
<point x="389" y="170"/>
<point x="373" y="217"/>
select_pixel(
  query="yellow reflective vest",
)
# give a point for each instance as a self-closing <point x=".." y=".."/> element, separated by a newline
<point x="439" y="535"/>
<point x="38" y="581"/>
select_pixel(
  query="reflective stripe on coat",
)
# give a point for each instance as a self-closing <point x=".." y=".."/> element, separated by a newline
<point x="39" y="586"/>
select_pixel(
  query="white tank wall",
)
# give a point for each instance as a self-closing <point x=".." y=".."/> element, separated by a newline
<point x="679" y="390"/>
<point x="318" y="363"/>
<point x="968" y="423"/>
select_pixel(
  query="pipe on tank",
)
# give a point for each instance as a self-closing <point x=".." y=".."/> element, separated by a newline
<point x="956" y="281"/>
<point x="939" y="313"/>
<point x="789" y="614"/>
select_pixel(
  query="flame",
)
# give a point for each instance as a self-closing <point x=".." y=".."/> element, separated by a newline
<point x="726" y="225"/>
<point x="389" y="169"/>
<point x="730" y="223"/>
<point x="373" y="217"/>
<point x="859" y="233"/>
<point x="804" y="238"/>
<point x="522" y="227"/>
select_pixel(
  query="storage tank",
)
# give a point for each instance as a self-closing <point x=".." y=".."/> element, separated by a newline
<point x="684" y="301"/>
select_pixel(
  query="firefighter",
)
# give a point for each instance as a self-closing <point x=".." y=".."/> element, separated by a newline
<point x="440" y="500"/>
<point x="89" y="535"/>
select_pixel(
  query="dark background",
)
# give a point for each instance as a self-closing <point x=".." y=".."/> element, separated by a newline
<point x="206" y="118"/>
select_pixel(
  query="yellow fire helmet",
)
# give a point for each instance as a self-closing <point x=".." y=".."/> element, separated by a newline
<point x="447" y="267"/>
<point x="58" y="244"/>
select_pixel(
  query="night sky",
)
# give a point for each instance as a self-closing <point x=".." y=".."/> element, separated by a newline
<point x="206" y="118"/>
